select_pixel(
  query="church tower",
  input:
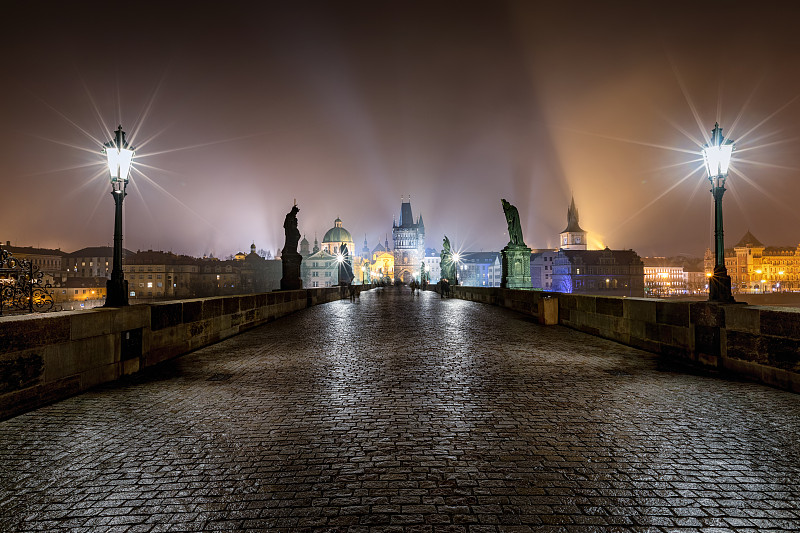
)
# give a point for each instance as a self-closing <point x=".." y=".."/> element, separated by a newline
<point x="409" y="243"/>
<point x="573" y="237"/>
<point x="304" y="250"/>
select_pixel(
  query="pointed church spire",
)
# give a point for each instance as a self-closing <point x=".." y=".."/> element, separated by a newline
<point x="572" y="218"/>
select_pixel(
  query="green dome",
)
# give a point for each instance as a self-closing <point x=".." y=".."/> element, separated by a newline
<point x="337" y="233"/>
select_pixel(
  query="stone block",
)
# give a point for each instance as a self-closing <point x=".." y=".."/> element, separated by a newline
<point x="742" y="318"/>
<point x="707" y="340"/>
<point x="636" y="309"/>
<point x="783" y="323"/>
<point x="637" y="328"/>
<point x="652" y="332"/>
<point x="230" y="305"/>
<point x="29" y="331"/>
<point x="21" y="370"/>
<point x="672" y="313"/>
<point x="79" y="356"/>
<point x="131" y="366"/>
<point x="707" y="314"/>
<point x="568" y="301"/>
<point x="547" y="311"/>
<point x="24" y="400"/>
<point x="681" y="338"/>
<point x="644" y="344"/>
<point x="609" y="306"/>
<point x="586" y="303"/>
<point x="192" y="311"/>
<point x="246" y="302"/>
<point x="744" y="346"/>
<point x="131" y="317"/>
<point x="212" y="307"/>
<point x="165" y="315"/>
<point x="675" y="352"/>
<point x="92" y="323"/>
<point x="665" y="334"/>
<point x="100" y="374"/>
<point x="782" y="352"/>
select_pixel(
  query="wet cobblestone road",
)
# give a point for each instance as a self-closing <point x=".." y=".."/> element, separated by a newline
<point x="403" y="413"/>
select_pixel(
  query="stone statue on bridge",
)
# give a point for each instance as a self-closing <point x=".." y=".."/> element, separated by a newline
<point x="447" y="265"/>
<point x="514" y="226"/>
<point x="289" y="257"/>
<point x="516" y="255"/>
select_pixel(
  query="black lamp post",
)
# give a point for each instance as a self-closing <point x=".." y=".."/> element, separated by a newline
<point x="717" y="156"/>
<point x="120" y="156"/>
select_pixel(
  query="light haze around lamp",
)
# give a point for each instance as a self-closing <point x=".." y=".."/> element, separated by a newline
<point x="120" y="157"/>
<point x="717" y="157"/>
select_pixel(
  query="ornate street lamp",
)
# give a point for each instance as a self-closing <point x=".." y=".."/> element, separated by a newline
<point x="457" y="261"/>
<point x="119" y="156"/>
<point x="717" y="157"/>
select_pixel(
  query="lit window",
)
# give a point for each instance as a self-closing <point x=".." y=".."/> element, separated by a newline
<point x="149" y="284"/>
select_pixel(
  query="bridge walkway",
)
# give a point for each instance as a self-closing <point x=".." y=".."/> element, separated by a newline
<point x="408" y="413"/>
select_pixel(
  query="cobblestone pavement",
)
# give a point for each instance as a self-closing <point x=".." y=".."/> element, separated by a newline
<point x="408" y="413"/>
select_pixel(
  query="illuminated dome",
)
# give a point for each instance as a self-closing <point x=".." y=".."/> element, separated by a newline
<point x="335" y="237"/>
<point x="337" y="233"/>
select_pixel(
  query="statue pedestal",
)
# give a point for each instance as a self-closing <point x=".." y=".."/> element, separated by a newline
<point x="291" y="271"/>
<point x="516" y="267"/>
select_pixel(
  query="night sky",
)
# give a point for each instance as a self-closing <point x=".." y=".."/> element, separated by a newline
<point x="238" y="108"/>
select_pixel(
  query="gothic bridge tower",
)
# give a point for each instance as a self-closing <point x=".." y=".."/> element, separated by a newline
<point x="409" y="243"/>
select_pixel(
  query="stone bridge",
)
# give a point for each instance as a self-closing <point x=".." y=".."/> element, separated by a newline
<point x="401" y="412"/>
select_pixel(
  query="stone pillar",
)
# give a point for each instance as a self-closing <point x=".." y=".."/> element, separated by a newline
<point x="291" y="271"/>
<point x="516" y="267"/>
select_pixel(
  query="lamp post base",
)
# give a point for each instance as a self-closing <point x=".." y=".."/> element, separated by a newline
<point x="719" y="286"/>
<point x="116" y="293"/>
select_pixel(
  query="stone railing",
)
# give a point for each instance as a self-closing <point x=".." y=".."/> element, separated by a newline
<point x="755" y="342"/>
<point x="48" y="357"/>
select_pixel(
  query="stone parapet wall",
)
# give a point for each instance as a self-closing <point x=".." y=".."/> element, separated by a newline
<point x="48" y="357"/>
<point x="756" y="342"/>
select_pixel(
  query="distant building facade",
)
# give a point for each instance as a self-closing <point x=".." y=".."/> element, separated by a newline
<point x="542" y="269"/>
<point x="479" y="269"/>
<point x="319" y="269"/>
<point x="756" y="268"/>
<point x="91" y="262"/>
<point x="607" y="272"/>
<point x="433" y="265"/>
<point x="409" y="244"/>
<point x="664" y="277"/>
<point x="162" y="275"/>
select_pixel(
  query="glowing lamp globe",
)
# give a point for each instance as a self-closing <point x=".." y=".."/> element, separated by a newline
<point x="717" y="153"/>
<point x="119" y="156"/>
